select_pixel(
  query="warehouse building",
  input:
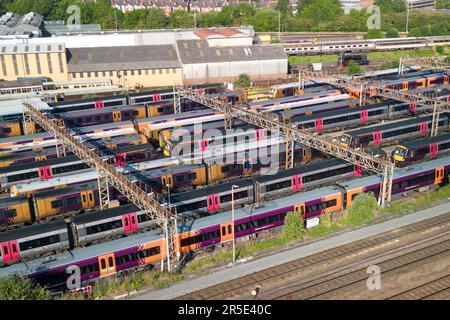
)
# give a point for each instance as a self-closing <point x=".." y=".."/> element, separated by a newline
<point x="203" y="63"/>
<point x="138" y="66"/>
<point x="28" y="60"/>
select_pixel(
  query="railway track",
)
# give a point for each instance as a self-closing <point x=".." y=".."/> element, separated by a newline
<point x="331" y="271"/>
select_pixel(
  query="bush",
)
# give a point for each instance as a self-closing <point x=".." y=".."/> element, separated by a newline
<point x="392" y="33"/>
<point x="242" y="81"/>
<point x="374" y="34"/>
<point x="15" y="287"/>
<point x="363" y="207"/>
<point x="389" y="65"/>
<point x="293" y="228"/>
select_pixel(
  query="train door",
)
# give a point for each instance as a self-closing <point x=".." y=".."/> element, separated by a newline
<point x="377" y="137"/>
<point x="296" y="182"/>
<point x="424" y="127"/>
<point x="156" y="97"/>
<point x="364" y="116"/>
<point x="405" y="85"/>
<point x="413" y="106"/>
<point x="119" y="160"/>
<point x="87" y="199"/>
<point x="203" y="144"/>
<point x="107" y="265"/>
<point x="99" y="104"/>
<point x="213" y="202"/>
<point x="434" y="149"/>
<point x="439" y="175"/>
<point x="10" y="250"/>
<point x="167" y="182"/>
<point x="259" y="134"/>
<point x="117" y="116"/>
<point x="226" y="232"/>
<point x="129" y="222"/>
<point x="306" y="152"/>
<point x="301" y="209"/>
<point x="446" y="78"/>
<point x="45" y="173"/>
<point x="318" y="124"/>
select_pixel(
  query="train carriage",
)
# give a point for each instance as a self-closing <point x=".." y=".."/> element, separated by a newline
<point x="15" y="211"/>
<point x="90" y="103"/>
<point x="380" y="134"/>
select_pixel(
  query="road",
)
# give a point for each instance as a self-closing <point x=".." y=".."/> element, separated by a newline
<point x="252" y="266"/>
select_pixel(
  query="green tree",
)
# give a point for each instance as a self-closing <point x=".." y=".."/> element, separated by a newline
<point x="293" y="228"/>
<point x="392" y="33"/>
<point x="321" y="11"/>
<point x="43" y="7"/>
<point x="181" y="19"/>
<point x="283" y="6"/>
<point x="226" y="17"/>
<point x="265" y="20"/>
<point x="415" y="32"/>
<point x="207" y="20"/>
<point x="14" y="287"/>
<point x="353" y="69"/>
<point x="443" y="4"/>
<point x="374" y="34"/>
<point x="242" y="81"/>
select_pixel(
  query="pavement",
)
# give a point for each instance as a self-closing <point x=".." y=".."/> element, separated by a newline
<point x="251" y="266"/>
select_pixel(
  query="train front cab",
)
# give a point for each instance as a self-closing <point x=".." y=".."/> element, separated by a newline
<point x="17" y="213"/>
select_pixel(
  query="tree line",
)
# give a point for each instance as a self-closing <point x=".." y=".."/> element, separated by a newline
<point x="312" y="15"/>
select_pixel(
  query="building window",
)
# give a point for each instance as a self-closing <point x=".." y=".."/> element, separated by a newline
<point x="49" y="62"/>
<point x="61" y="64"/>
<point x="96" y="74"/>
<point x="81" y="75"/>
<point x="88" y="74"/>
<point x="167" y="71"/>
<point x="153" y="71"/>
<point x="74" y="75"/>
<point x="125" y="73"/>
<point x="146" y="72"/>
<point x="139" y="72"/>
<point x="132" y="72"/>
<point x="3" y="65"/>
<point x="27" y="65"/>
<point x="16" y="69"/>
<point x="110" y="73"/>
<point x="174" y="70"/>
<point x="160" y="71"/>
<point x="38" y="63"/>
<point x="104" y="74"/>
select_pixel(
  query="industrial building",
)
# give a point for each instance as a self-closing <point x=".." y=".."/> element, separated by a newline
<point x="153" y="59"/>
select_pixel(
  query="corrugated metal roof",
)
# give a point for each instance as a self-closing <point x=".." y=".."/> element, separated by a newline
<point x="198" y="51"/>
<point x="122" y="58"/>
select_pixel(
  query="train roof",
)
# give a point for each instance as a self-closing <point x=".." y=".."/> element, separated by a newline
<point x="255" y="209"/>
<point x="81" y="176"/>
<point x="425" y="141"/>
<point x="398" y="173"/>
<point x="104" y="126"/>
<point x="290" y="98"/>
<point x="167" y="170"/>
<point x="188" y="114"/>
<point x="15" y="107"/>
<point x="35" y="164"/>
<point x="207" y="125"/>
<point x="28" y="137"/>
<point x="27" y="153"/>
<point x="93" y="112"/>
<point x="318" y="107"/>
<point x="65" y="258"/>
<point x="33" y="230"/>
<point x="105" y="214"/>
<point x="387" y="126"/>
<point x="152" y="164"/>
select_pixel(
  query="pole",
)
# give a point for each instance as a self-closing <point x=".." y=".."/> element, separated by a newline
<point x="232" y="224"/>
<point x="168" y="193"/>
<point x="279" y="25"/>
<point x="407" y="16"/>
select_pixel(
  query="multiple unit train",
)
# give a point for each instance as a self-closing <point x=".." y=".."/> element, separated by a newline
<point x="145" y="249"/>
<point x="337" y="46"/>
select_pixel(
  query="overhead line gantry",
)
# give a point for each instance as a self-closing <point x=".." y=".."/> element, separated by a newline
<point x="293" y="134"/>
<point x="107" y="174"/>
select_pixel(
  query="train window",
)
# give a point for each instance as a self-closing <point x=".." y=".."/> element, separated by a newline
<point x="179" y="178"/>
<point x="192" y="176"/>
<point x="111" y="225"/>
<point x="90" y="197"/>
<point x="103" y="263"/>
<point x="126" y="221"/>
<point x="40" y="242"/>
<point x="90" y="268"/>
<point x="126" y="114"/>
<point x="56" y="204"/>
<point x="229" y="229"/>
<point x="84" y="197"/>
<point x="6" y="250"/>
<point x="135" y="113"/>
<point x="223" y="230"/>
<point x="143" y="218"/>
<point x="98" y="118"/>
<point x="8" y="214"/>
<point x="110" y="261"/>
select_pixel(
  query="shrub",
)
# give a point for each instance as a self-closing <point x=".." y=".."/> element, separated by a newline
<point x="293" y="228"/>
<point x="363" y="207"/>
<point x="15" y="287"/>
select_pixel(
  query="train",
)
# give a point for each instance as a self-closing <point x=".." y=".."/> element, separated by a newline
<point x="376" y="136"/>
<point x="426" y="148"/>
<point x="144" y="250"/>
<point x="52" y="167"/>
<point x="366" y="45"/>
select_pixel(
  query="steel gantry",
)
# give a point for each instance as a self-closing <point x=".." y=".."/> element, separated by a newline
<point x="369" y="89"/>
<point x="107" y="174"/>
<point x="292" y="134"/>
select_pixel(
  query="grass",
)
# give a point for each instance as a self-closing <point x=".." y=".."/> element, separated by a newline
<point x="362" y="211"/>
<point x="417" y="53"/>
